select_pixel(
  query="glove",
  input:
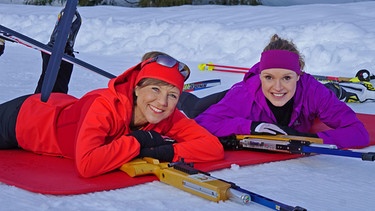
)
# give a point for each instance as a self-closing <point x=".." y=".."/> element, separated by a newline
<point x="293" y="132"/>
<point x="266" y="128"/>
<point x="162" y="153"/>
<point x="148" y="139"/>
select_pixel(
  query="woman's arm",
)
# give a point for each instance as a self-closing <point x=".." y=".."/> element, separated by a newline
<point x="230" y="115"/>
<point x="347" y="130"/>
<point x="193" y="142"/>
<point x="102" y="144"/>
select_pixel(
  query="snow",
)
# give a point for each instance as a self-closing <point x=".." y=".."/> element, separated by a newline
<point x="336" y="39"/>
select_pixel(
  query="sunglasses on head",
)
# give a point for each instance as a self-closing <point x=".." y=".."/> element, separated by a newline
<point x="168" y="61"/>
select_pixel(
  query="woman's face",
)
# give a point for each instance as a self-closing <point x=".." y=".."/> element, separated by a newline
<point x="278" y="85"/>
<point x="154" y="103"/>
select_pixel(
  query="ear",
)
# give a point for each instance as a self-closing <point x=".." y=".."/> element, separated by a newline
<point x="136" y="89"/>
<point x="298" y="76"/>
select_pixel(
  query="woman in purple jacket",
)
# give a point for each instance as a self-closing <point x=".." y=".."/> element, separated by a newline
<point x="276" y="97"/>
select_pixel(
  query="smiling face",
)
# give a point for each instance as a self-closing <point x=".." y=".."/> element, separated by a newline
<point x="154" y="103"/>
<point x="279" y="85"/>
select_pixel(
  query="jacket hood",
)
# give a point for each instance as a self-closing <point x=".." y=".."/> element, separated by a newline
<point x="254" y="70"/>
<point x="124" y="84"/>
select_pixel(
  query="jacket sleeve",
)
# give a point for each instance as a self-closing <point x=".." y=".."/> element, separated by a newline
<point x="193" y="142"/>
<point x="101" y="145"/>
<point x="230" y="115"/>
<point x="346" y="129"/>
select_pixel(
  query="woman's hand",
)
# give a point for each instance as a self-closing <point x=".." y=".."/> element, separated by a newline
<point x="266" y="128"/>
<point x="148" y="139"/>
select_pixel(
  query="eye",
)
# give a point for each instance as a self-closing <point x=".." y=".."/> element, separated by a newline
<point x="155" y="89"/>
<point x="287" y="78"/>
<point x="173" y="96"/>
<point x="267" y="77"/>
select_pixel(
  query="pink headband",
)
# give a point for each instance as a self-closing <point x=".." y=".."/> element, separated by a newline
<point x="280" y="59"/>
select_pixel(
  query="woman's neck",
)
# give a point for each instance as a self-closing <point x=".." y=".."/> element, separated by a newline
<point x="283" y="113"/>
<point x="136" y="123"/>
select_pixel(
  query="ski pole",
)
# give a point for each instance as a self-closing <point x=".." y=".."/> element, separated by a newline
<point x="222" y="68"/>
<point x="235" y="69"/>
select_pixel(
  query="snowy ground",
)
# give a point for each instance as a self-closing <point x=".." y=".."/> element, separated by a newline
<point x="336" y="39"/>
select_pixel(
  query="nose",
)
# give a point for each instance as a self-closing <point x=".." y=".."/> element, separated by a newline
<point x="163" y="100"/>
<point x="278" y="86"/>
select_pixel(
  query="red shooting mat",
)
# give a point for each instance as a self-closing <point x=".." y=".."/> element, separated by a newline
<point x="58" y="176"/>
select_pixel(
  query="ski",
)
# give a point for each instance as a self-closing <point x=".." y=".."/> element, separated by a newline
<point x="290" y="144"/>
<point x="63" y="28"/>
<point x="199" y="85"/>
<point x="13" y="36"/>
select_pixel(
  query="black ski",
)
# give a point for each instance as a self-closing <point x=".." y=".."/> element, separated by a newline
<point x="13" y="36"/>
<point x="194" y="86"/>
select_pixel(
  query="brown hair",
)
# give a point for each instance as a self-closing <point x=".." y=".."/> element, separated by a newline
<point x="151" y="81"/>
<point x="152" y="54"/>
<point x="276" y="43"/>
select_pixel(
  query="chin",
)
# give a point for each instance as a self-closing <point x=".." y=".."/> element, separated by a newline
<point x="278" y="103"/>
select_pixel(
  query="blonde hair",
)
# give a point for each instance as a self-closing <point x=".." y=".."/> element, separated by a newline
<point x="276" y="43"/>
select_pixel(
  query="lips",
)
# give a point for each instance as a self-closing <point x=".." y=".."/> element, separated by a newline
<point x="278" y="94"/>
<point x="155" y="109"/>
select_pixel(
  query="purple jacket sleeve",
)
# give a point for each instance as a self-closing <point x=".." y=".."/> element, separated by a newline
<point x="229" y="116"/>
<point x="346" y="129"/>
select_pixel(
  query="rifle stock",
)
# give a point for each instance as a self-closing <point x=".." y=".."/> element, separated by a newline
<point x="290" y="144"/>
<point x="183" y="176"/>
<point x="281" y="138"/>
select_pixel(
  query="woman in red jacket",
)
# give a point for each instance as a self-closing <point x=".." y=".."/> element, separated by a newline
<point x="135" y="116"/>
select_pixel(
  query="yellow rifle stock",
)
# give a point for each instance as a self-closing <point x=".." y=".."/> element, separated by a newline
<point x="183" y="176"/>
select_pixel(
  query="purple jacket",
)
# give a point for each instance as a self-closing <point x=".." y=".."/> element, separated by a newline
<point x="245" y="102"/>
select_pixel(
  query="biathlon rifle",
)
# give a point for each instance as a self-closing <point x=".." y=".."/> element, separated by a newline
<point x="290" y="144"/>
<point x="184" y="176"/>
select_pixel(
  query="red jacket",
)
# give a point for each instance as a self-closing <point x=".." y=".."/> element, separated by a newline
<point x="93" y="130"/>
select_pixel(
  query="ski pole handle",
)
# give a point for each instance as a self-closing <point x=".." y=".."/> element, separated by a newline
<point x="222" y="68"/>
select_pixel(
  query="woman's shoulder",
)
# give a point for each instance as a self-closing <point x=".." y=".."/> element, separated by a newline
<point x="308" y="80"/>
